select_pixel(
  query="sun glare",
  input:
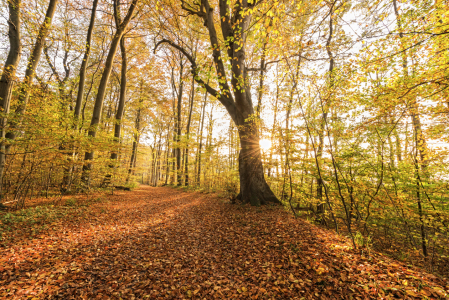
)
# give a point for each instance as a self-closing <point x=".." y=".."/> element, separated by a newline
<point x="265" y="144"/>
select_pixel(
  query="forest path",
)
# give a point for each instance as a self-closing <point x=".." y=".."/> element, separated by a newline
<point x="162" y="243"/>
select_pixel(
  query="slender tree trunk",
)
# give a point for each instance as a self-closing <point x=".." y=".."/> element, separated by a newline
<point x="261" y="80"/>
<point x="326" y="105"/>
<point x="209" y="147"/>
<point x="413" y="107"/>
<point x="175" y="131"/>
<point x="80" y="96"/>
<point x="68" y="167"/>
<point x="183" y="153"/>
<point x="152" y="164"/>
<point x="186" y="160"/>
<point x="25" y="89"/>
<point x="418" y="199"/>
<point x="33" y="62"/>
<point x="304" y="165"/>
<point x="200" y="147"/>
<point x="287" y="129"/>
<point x="120" y="108"/>
<point x="136" y="138"/>
<point x="420" y="142"/>
<point x="133" y="156"/>
<point x="391" y="152"/>
<point x="8" y="78"/>
<point x="158" y="163"/>
<point x="167" y="154"/>
<point x="397" y="142"/>
<point x="98" y="107"/>
<point x="178" y="127"/>
<point x="273" y="129"/>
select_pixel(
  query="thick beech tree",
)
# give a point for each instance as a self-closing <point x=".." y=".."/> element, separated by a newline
<point x="236" y="96"/>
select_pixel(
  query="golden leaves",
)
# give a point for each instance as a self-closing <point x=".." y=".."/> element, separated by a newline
<point x="167" y="243"/>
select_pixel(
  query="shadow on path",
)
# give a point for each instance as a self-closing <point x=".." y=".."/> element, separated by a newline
<point x="161" y="243"/>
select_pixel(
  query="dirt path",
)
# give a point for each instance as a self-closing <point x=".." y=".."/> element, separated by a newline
<point x="161" y="243"/>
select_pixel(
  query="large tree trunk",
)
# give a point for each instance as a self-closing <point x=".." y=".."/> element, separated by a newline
<point x="7" y="79"/>
<point x="98" y="107"/>
<point x="254" y="188"/>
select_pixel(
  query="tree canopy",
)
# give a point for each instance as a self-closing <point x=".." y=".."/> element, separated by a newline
<point x="335" y="109"/>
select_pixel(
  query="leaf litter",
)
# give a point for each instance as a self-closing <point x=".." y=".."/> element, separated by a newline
<point x="162" y="243"/>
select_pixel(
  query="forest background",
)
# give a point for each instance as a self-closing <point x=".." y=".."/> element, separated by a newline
<point x="348" y="101"/>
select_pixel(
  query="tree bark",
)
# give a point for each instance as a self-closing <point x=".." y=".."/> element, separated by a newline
<point x="64" y="101"/>
<point x="178" y="126"/>
<point x="167" y="154"/>
<point x="325" y="107"/>
<point x="287" y="130"/>
<point x="175" y="131"/>
<point x="80" y="96"/>
<point x="120" y="108"/>
<point x="25" y="89"/>
<point x="33" y="62"/>
<point x="261" y="76"/>
<point x="200" y="147"/>
<point x="186" y="160"/>
<point x="96" y="115"/>
<point x="274" y="127"/>
<point x="7" y="79"/>
<point x="237" y="101"/>
<point x="209" y="146"/>
<point x="136" y="138"/>
<point x="420" y="142"/>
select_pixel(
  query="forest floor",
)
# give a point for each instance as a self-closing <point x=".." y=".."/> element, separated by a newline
<point x="163" y="243"/>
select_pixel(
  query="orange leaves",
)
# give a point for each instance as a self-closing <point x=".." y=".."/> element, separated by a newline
<point x="161" y="243"/>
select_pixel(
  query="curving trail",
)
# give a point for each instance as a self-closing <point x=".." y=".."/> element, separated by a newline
<point x="161" y="243"/>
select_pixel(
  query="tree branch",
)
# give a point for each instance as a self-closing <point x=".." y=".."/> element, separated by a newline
<point x="226" y="101"/>
<point x="190" y="10"/>
<point x="53" y="69"/>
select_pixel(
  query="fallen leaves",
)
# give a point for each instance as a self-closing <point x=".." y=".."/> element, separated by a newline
<point x="162" y="243"/>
